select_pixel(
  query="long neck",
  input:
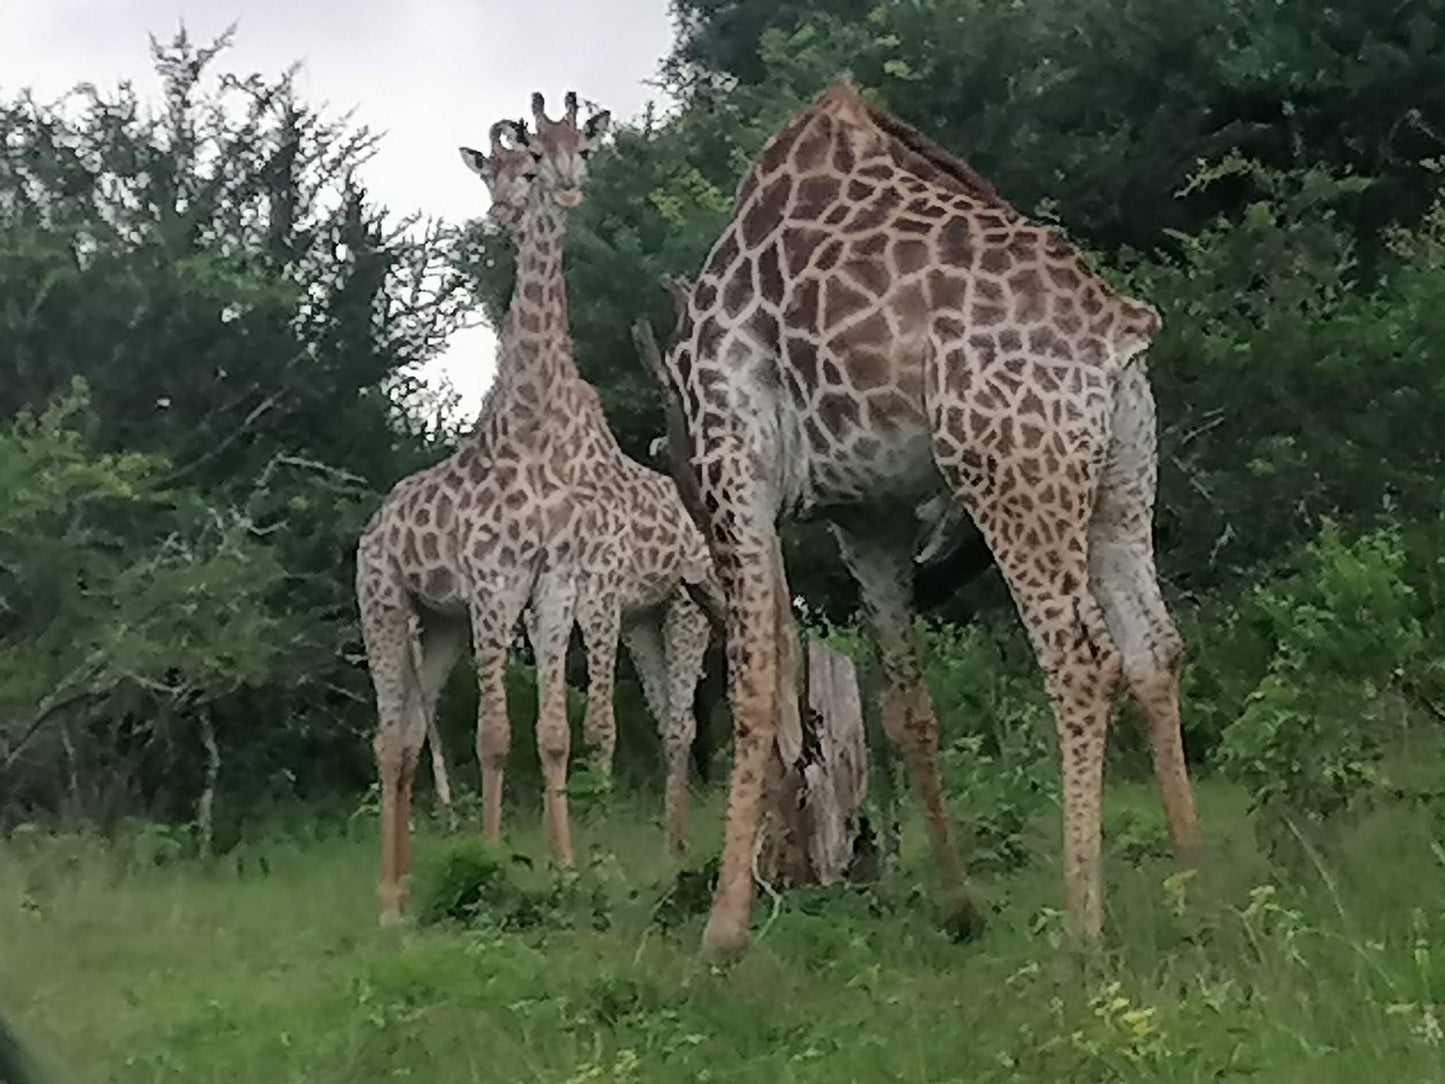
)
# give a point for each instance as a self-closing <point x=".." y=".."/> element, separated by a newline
<point x="536" y="349"/>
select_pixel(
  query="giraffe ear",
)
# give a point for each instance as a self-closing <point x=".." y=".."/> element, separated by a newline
<point x="597" y="125"/>
<point x="475" y="161"/>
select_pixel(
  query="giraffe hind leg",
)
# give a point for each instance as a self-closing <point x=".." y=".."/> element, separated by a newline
<point x="1035" y="520"/>
<point x="443" y="639"/>
<point x="552" y="629"/>
<point x="599" y="619"/>
<point x="881" y="569"/>
<point x="642" y="636"/>
<point x="1123" y="577"/>
<point x="401" y="726"/>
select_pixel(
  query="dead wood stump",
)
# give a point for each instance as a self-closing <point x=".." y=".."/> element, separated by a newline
<point x="817" y="774"/>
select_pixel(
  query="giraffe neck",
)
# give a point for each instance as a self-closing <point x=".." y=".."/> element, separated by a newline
<point x="535" y="357"/>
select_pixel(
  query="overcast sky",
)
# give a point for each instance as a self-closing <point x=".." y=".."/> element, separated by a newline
<point x="431" y="74"/>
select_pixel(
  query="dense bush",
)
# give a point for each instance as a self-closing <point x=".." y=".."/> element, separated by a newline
<point x="176" y="538"/>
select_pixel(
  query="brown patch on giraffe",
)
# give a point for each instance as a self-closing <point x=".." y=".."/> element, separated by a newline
<point x="829" y="255"/>
<point x="1010" y="341"/>
<point x="859" y="190"/>
<point x="956" y="243"/>
<point x="871" y="247"/>
<point x="798" y="248"/>
<point x="837" y="214"/>
<point x="1044" y="341"/>
<point x="838" y="412"/>
<point x="994" y="261"/>
<point x="810" y="151"/>
<point x="767" y="209"/>
<point x="946" y="292"/>
<point x="1065" y="278"/>
<point x="764" y="325"/>
<point x="909" y="256"/>
<point x="926" y="207"/>
<point x="803" y="309"/>
<point x="814" y="196"/>
<point x="869" y="274"/>
<point x="802" y="355"/>
<point x="909" y="305"/>
<point x="430" y="549"/>
<point x="913" y="226"/>
<point x="869" y="336"/>
<point x="984" y="349"/>
<point x="738" y="289"/>
<point x="872" y="215"/>
<point x="987" y="315"/>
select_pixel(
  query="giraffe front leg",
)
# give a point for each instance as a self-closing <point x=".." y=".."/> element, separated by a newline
<point x="494" y="621"/>
<point x="553" y="618"/>
<point x="758" y="619"/>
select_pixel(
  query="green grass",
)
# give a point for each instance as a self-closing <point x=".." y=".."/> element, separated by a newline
<point x="195" y="974"/>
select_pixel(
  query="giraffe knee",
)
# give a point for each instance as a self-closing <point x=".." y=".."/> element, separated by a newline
<point x="494" y="743"/>
<point x="553" y="744"/>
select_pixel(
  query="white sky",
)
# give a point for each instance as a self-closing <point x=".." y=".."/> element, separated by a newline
<point x="430" y="74"/>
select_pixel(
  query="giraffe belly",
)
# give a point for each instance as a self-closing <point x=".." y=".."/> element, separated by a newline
<point x="864" y="465"/>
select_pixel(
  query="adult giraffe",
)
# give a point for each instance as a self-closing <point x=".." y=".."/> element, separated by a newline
<point x="877" y="338"/>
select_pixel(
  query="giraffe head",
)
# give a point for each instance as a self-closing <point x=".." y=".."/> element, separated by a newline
<point x="508" y="172"/>
<point x="561" y="148"/>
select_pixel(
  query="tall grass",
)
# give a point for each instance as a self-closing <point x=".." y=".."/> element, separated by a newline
<point x="132" y="971"/>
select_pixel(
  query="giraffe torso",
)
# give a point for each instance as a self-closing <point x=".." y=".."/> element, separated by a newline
<point x="860" y="267"/>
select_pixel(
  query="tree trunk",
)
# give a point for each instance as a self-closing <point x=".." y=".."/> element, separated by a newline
<point x="817" y="777"/>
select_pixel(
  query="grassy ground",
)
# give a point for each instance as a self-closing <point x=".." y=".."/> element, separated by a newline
<point x="277" y="971"/>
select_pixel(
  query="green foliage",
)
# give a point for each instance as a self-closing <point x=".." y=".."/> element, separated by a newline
<point x="125" y="606"/>
<point x="175" y="531"/>
<point x="995" y="756"/>
<point x="475" y="882"/>
<point x="1310" y="741"/>
<point x="282" y="975"/>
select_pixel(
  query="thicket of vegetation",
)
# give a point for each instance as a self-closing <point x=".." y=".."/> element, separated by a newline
<point x="210" y="334"/>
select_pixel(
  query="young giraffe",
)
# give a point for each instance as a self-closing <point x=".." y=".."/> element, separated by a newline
<point x="517" y="518"/>
<point x="875" y="327"/>
<point x="637" y="550"/>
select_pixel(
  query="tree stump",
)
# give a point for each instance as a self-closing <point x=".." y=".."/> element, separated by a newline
<point x="817" y="776"/>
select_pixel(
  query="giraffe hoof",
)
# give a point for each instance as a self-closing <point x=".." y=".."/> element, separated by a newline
<point x="723" y="942"/>
<point x="393" y="902"/>
<point x="964" y="919"/>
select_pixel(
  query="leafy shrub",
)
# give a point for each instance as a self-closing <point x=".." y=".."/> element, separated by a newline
<point x="473" y="881"/>
<point x="689" y="894"/>
<point x="997" y="772"/>
<point x="1309" y="742"/>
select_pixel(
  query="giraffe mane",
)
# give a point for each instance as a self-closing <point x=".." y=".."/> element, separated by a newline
<point x="909" y="148"/>
<point x="927" y="160"/>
